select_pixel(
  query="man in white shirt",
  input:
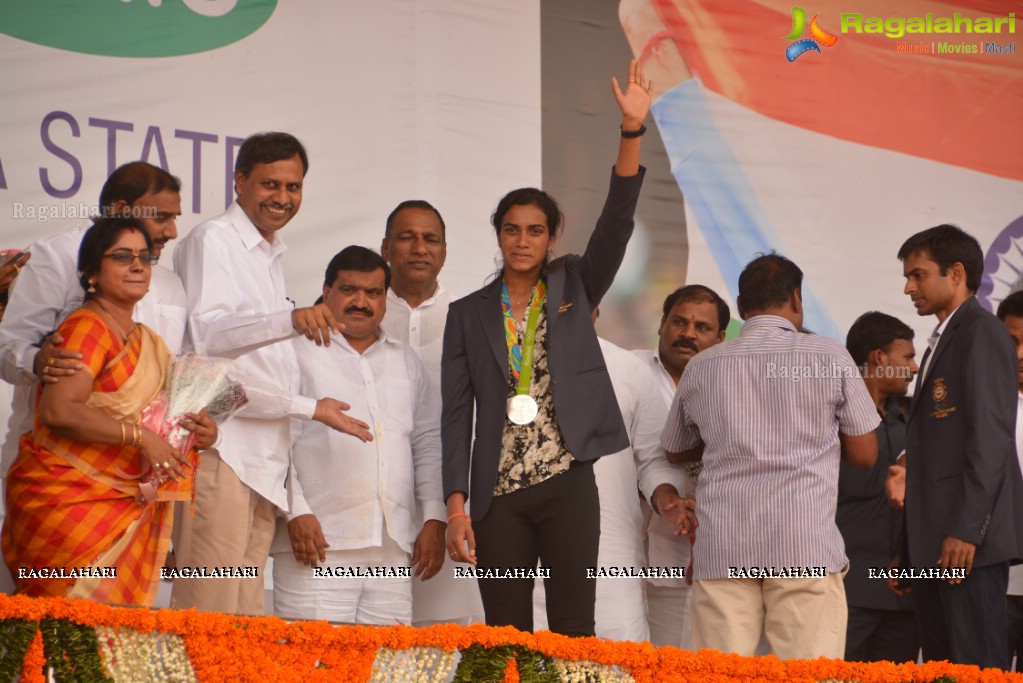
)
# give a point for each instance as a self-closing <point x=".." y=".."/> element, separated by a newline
<point x="344" y="554"/>
<point x="231" y="268"/>
<point x="694" y="319"/>
<point x="415" y="246"/>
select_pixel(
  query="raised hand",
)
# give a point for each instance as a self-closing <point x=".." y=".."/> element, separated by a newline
<point x="634" y="102"/>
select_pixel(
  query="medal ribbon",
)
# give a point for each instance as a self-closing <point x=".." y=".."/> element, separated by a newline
<point x="520" y="358"/>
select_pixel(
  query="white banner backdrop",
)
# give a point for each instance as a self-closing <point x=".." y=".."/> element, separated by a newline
<point x="394" y="99"/>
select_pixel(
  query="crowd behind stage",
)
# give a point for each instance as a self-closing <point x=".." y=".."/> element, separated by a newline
<point x="406" y="457"/>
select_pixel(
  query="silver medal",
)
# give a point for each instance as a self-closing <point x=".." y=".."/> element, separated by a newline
<point x="522" y="409"/>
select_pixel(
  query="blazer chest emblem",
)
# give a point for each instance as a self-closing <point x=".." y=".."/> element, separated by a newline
<point x="940" y="395"/>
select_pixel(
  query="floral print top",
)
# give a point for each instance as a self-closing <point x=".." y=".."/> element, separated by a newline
<point x="533" y="452"/>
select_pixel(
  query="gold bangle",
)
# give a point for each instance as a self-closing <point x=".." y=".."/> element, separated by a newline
<point x="122" y="432"/>
<point x="137" y="436"/>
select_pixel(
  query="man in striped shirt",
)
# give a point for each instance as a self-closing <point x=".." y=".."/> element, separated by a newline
<point x="769" y="413"/>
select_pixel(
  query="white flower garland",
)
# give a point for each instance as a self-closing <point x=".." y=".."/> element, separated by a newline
<point x="133" y="657"/>
<point x="414" y="665"/>
<point x="584" y="671"/>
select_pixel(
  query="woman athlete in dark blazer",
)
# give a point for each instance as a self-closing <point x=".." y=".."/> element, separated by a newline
<point x="523" y="353"/>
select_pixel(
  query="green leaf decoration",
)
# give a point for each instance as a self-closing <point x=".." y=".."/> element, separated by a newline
<point x="486" y="665"/>
<point x="72" y="651"/>
<point x="15" y="637"/>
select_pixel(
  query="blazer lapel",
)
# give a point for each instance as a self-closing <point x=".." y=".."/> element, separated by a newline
<point x="488" y="307"/>
<point x="555" y="290"/>
<point x="943" y="341"/>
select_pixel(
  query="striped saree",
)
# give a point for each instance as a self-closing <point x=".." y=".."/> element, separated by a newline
<point x="78" y="506"/>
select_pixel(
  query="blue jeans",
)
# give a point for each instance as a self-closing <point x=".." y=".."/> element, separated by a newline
<point x="965" y="623"/>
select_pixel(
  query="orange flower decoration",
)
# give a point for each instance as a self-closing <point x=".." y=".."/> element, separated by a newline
<point x="241" y="649"/>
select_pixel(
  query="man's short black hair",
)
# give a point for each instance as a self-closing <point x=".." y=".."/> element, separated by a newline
<point x="359" y="259"/>
<point x="945" y="245"/>
<point x="874" y="330"/>
<point x="414" y="204"/>
<point x="768" y="281"/>
<point x="132" y="180"/>
<point x="1011" y="305"/>
<point x="266" y="148"/>
<point x="698" y="294"/>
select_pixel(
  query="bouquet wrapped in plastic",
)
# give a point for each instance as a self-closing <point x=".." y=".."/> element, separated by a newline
<point x="193" y="383"/>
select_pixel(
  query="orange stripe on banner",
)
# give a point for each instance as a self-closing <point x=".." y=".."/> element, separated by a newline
<point x="959" y="109"/>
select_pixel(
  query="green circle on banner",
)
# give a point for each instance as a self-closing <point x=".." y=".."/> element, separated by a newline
<point x="134" y="28"/>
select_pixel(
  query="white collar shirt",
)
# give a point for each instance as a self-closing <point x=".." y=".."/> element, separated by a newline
<point x="665" y="383"/>
<point x="421" y="327"/>
<point x="932" y="343"/>
<point x="361" y="491"/>
<point x="47" y="291"/>
<point x="664" y="547"/>
<point x="238" y="309"/>
<point x="621" y="517"/>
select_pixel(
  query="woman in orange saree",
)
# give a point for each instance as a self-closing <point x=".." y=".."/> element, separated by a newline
<point x="80" y="522"/>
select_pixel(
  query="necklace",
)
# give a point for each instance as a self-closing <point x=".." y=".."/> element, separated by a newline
<point x="117" y="327"/>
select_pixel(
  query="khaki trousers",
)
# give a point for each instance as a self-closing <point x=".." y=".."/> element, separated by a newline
<point x="801" y="618"/>
<point x="232" y="526"/>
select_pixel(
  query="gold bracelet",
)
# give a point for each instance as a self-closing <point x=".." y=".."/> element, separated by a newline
<point x="137" y="441"/>
<point x="122" y="433"/>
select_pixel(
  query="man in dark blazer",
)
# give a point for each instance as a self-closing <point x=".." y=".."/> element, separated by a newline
<point x="964" y="492"/>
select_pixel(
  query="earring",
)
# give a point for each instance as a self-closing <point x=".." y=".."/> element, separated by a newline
<point x="92" y="287"/>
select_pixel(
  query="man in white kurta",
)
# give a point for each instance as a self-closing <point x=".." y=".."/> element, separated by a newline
<point x="694" y="319"/>
<point x="353" y="527"/>
<point x="417" y="309"/>
<point x="238" y="308"/>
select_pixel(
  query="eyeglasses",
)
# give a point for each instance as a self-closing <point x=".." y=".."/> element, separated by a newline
<point x="126" y="258"/>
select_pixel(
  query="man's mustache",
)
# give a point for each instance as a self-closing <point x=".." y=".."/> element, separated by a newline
<point x="687" y="344"/>
<point x="359" y="309"/>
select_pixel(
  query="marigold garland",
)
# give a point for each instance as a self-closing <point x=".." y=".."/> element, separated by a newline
<point x="35" y="661"/>
<point x="511" y="671"/>
<point x="242" y="649"/>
